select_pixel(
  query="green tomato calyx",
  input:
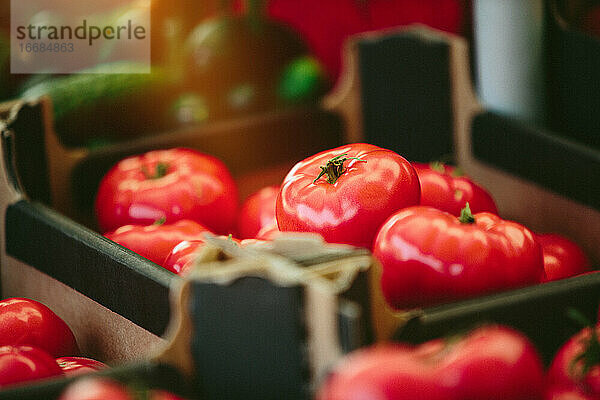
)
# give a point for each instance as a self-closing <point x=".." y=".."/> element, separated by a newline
<point x="160" y="171"/>
<point x="466" y="217"/>
<point x="335" y="168"/>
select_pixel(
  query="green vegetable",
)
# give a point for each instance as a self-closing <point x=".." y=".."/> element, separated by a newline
<point x="302" y="80"/>
<point x="85" y="89"/>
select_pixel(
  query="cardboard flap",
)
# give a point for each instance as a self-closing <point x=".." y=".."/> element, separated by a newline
<point x="289" y="309"/>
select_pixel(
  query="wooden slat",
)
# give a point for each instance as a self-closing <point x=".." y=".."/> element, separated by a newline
<point x="115" y="277"/>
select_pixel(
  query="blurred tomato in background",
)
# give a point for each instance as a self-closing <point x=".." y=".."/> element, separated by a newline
<point x="326" y="24"/>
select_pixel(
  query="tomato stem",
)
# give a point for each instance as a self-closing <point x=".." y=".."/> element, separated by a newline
<point x="458" y="172"/>
<point x="466" y="217"/>
<point x="335" y="168"/>
<point x="590" y="355"/>
<point x="440" y="166"/>
<point x="160" y="221"/>
<point x="159" y="172"/>
<point x="437" y="166"/>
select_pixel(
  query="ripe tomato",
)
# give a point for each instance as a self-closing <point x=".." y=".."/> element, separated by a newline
<point x="576" y="365"/>
<point x="155" y="242"/>
<point x="268" y="232"/>
<point x="180" y="259"/>
<point x="182" y="256"/>
<point x="562" y="257"/>
<point x="443" y="188"/>
<point x="430" y="256"/>
<point x="346" y="193"/>
<point x="561" y="393"/>
<point x="25" y="363"/>
<point x="326" y="24"/>
<point x="489" y="363"/>
<point x="28" y="322"/>
<point x="170" y="184"/>
<point x="96" y="389"/>
<point x="79" y="365"/>
<point x="257" y="212"/>
<point x="107" y="389"/>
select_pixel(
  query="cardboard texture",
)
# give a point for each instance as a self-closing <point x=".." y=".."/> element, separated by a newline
<point x="296" y="283"/>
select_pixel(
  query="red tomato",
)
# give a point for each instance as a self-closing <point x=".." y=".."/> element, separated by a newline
<point x="170" y="184"/>
<point x="79" y="365"/>
<point x="106" y="389"/>
<point x="430" y="256"/>
<point x="444" y="189"/>
<point x="446" y="15"/>
<point x="327" y="24"/>
<point x="181" y="257"/>
<point x="560" y="393"/>
<point x="346" y="193"/>
<point x="28" y="322"/>
<point x="96" y="389"/>
<point x="155" y="242"/>
<point x="257" y="212"/>
<point x="562" y="257"/>
<point x="268" y="232"/>
<point x="489" y="363"/>
<point x="25" y="363"/>
<point x="583" y="350"/>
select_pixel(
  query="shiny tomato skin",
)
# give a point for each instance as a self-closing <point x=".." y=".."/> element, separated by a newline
<point x="29" y="322"/>
<point x="155" y="242"/>
<point x="562" y="257"/>
<point x="352" y="209"/>
<point x="560" y="373"/>
<point x="496" y="363"/>
<point x="96" y="389"/>
<point x="257" y="212"/>
<point x="72" y="366"/>
<point x="386" y="372"/>
<point x="195" y="186"/>
<point x="429" y="257"/>
<point x="489" y="363"/>
<point x="181" y="257"/>
<point x="20" y="364"/>
<point x="450" y="193"/>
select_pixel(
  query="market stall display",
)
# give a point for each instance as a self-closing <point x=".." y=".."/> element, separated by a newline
<point x="346" y="238"/>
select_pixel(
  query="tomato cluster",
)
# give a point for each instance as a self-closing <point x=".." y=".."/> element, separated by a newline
<point x="435" y="231"/>
<point x="35" y="344"/>
<point x="490" y="362"/>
